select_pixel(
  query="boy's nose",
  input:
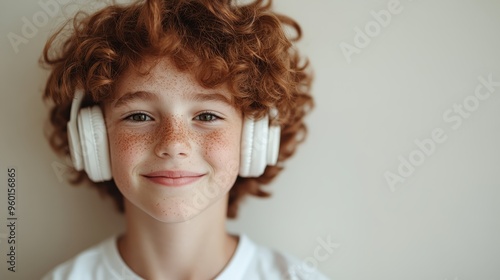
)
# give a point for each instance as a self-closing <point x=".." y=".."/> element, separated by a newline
<point x="173" y="139"/>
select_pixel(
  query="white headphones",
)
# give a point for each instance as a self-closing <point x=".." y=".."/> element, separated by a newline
<point x="88" y="142"/>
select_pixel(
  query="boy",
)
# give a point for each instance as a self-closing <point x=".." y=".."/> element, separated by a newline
<point x="178" y="110"/>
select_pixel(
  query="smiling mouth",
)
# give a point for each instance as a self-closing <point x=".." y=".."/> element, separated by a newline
<point x="174" y="178"/>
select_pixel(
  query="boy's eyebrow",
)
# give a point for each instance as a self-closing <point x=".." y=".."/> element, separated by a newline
<point x="201" y="97"/>
<point x="148" y="96"/>
<point x="130" y="96"/>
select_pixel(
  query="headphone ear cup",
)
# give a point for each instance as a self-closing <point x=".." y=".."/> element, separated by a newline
<point x="94" y="143"/>
<point x="75" y="147"/>
<point x="254" y="142"/>
<point x="246" y="147"/>
<point x="273" y="144"/>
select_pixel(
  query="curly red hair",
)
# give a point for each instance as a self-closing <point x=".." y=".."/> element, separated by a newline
<point x="242" y="46"/>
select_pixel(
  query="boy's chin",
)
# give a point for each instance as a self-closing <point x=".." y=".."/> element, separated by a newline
<point x="179" y="215"/>
<point x="172" y="212"/>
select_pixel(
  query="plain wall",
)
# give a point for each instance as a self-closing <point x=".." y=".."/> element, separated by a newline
<point x="375" y="101"/>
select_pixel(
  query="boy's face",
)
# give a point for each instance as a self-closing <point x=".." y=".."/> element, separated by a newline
<point x="174" y="145"/>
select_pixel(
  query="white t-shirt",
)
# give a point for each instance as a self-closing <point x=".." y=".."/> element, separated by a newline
<point x="249" y="262"/>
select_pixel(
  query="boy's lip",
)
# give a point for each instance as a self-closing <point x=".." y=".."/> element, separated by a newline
<point x="173" y="174"/>
<point x="173" y="178"/>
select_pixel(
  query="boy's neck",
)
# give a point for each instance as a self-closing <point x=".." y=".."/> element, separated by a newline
<point x="196" y="249"/>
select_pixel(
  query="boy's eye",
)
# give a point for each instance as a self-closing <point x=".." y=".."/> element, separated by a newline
<point x="138" y="117"/>
<point x="206" y="117"/>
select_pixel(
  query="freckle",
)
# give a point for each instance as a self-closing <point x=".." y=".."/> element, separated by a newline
<point x="133" y="142"/>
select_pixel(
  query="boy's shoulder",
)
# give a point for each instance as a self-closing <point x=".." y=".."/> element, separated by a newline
<point x="249" y="262"/>
<point x="101" y="261"/>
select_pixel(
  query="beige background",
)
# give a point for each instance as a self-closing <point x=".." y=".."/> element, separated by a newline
<point x="441" y="223"/>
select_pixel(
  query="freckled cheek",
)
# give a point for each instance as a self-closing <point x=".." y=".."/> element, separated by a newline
<point x="222" y="150"/>
<point x="126" y="149"/>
